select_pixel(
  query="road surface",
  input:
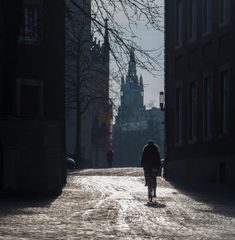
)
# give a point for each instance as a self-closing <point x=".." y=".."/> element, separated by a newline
<point x="112" y="204"/>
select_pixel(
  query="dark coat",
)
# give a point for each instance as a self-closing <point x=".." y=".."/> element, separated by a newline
<point x="151" y="156"/>
<point x="110" y="155"/>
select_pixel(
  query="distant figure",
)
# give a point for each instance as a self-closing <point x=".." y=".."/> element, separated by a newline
<point x="110" y="158"/>
<point x="150" y="160"/>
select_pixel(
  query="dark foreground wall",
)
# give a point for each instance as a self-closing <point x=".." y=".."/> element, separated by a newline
<point x="200" y="142"/>
<point x="32" y="89"/>
<point x="32" y="156"/>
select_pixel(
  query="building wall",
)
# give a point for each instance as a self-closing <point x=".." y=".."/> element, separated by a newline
<point x="193" y="61"/>
<point x="129" y="137"/>
<point x="78" y="41"/>
<point x="101" y="107"/>
<point x="32" y="132"/>
<point x="32" y="151"/>
<point x="93" y="91"/>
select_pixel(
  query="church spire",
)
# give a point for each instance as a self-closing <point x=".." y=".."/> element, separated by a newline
<point x="132" y="72"/>
<point x="141" y="80"/>
<point x="106" y="42"/>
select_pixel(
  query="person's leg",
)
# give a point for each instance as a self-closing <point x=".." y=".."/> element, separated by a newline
<point x="145" y="177"/>
<point x="155" y="187"/>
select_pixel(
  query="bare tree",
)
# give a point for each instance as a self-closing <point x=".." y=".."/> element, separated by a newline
<point x="131" y="12"/>
<point x="85" y="18"/>
<point x="86" y="76"/>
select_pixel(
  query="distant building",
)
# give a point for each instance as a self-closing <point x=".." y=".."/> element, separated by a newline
<point x="102" y="107"/>
<point x="78" y="45"/>
<point x="32" y="71"/>
<point x="200" y="90"/>
<point x="134" y="125"/>
<point x="93" y="92"/>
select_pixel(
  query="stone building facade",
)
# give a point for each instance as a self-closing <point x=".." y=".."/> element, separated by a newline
<point x="102" y="107"/>
<point x="32" y="114"/>
<point x="88" y="133"/>
<point x="199" y="89"/>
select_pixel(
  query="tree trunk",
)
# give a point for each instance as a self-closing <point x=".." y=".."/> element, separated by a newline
<point x="78" y="112"/>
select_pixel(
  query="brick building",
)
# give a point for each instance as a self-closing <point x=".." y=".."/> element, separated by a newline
<point x="200" y="89"/>
<point x="32" y="90"/>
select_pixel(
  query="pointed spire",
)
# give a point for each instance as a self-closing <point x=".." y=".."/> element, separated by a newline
<point x="122" y="82"/>
<point x="132" y="73"/>
<point x="106" y="44"/>
<point x="141" y="80"/>
<point x="106" y="34"/>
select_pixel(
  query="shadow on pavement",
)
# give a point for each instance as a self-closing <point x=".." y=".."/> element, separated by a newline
<point x="220" y="197"/>
<point x="155" y="205"/>
<point x="14" y="204"/>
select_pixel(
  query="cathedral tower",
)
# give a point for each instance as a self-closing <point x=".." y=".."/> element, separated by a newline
<point x="132" y="89"/>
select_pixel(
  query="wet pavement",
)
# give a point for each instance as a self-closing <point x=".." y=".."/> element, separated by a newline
<point x="112" y="204"/>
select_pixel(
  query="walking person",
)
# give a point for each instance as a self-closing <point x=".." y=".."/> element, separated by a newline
<point x="110" y="158"/>
<point x="150" y="161"/>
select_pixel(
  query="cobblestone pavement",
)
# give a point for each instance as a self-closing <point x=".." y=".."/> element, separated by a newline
<point x="112" y="204"/>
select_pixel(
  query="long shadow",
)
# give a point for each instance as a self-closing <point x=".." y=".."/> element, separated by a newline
<point x="220" y="197"/>
<point x="17" y="204"/>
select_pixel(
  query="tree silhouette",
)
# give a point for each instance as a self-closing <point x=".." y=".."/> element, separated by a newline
<point x="84" y="79"/>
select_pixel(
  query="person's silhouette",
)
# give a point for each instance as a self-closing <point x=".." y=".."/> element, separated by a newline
<point x="110" y="158"/>
<point x="150" y="160"/>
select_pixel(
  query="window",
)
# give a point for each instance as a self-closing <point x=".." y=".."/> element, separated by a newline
<point x="29" y="97"/>
<point x="224" y="11"/>
<point x="193" y="110"/>
<point x="179" y="23"/>
<point x="30" y="25"/>
<point x="224" y="104"/>
<point x="208" y="106"/>
<point x="193" y="19"/>
<point x="207" y="15"/>
<point x="179" y="116"/>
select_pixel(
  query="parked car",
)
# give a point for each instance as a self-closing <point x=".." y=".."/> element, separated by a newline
<point x="70" y="163"/>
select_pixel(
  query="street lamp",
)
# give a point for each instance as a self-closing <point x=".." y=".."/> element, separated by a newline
<point x="162" y="101"/>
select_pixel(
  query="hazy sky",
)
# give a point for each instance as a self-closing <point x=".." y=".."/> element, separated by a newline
<point x="151" y="39"/>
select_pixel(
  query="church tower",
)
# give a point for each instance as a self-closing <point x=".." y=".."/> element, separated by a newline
<point x="134" y="125"/>
<point x="132" y="90"/>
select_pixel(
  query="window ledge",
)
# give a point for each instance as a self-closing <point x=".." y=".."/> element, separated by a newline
<point x="206" y="33"/>
<point x="224" y="24"/>
<point x="178" y="47"/>
<point x="207" y="138"/>
<point x="193" y="39"/>
<point x="178" y="144"/>
<point x="192" y="141"/>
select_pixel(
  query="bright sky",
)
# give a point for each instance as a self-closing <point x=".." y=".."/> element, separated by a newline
<point x="151" y="39"/>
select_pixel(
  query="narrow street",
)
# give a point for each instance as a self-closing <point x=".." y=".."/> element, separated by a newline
<point x="112" y="204"/>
